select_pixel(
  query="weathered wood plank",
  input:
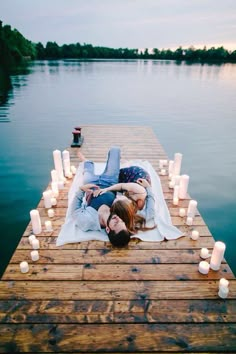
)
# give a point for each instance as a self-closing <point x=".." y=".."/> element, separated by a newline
<point x="135" y="311"/>
<point x="114" y="272"/>
<point x="112" y="290"/>
<point x="116" y="337"/>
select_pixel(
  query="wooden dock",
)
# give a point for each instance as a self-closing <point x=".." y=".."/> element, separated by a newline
<point x="88" y="297"/>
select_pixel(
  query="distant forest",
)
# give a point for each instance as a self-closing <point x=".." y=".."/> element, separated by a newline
<point x="15" y="49"/>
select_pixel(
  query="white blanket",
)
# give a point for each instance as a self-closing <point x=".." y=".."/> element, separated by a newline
<point x="165" y="230"/>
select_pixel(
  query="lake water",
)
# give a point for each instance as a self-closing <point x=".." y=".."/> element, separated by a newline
<point x="192" y="109"/>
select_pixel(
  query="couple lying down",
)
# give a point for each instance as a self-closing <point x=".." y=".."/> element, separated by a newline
<point x="120" y="215"/>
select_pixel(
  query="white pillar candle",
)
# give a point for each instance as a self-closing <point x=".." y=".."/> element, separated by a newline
<point x="176" y="192"/>
<point x="35" y="244"/>
<point x="189" y="221"/>
<point x="171" y="167"/>
<point x="47" y="195"/>
<point x="34" y="255"/>
<point x="183" y="186"/>
<point x="176" y="180"/>
<point x="73" y="169"/>
<point x="54" y="201"/>
<point x="177" y="163"/>
<point x="48" y="225"/>
<point x="223" y="292"/>
<point x="182" y="212"/>
<point x="204" y="253"/>
<point x="194" y="235"/>
<point x="36" y="222"/>
<point x="60" y="184"/>
<point x="66" y="164"/>
<point x="175" y="201"/>
<point x="171" y="184"/>
<point x="54" y="176"/>
<point x="217" y="255"/>
<point x="203" y="267"/>
<point x="31" y="238"/>
<point x="223" y="283"/>
<point x="192" y="208"/>
<point x="24" y="267"/>
<point x="163" y="172"/>
<point x="54" y="186"/>
<point x="58" y="163"/>
<point x="66" y="155"/>
<point x="161" y="164"/>
<point x="51" y="213"/>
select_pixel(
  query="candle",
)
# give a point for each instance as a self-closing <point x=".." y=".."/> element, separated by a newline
<point x="24" y="267"/>
<point x="31" y="238"/>
<point x="66" y="155"/>
<point x="35" y="244"/>
<point x="48" y="225"/>
<point x="34" y="255"/>
<point x="171" y="167"/>
<point x="51" y="213"/>
<point x="53" y="201"/>
<point x="171" y="184"/>
<point x="176" y="192"/>
<point x="175" y="201"/>
<point x="223" y="283"/>
<point x="66" y="164"/>
<point x="61" y="184"/>
<point x="163" y="172"/>
<point x="194" y="235"/>
<point x="192" y="208"/>
<point x="203" y="267"/>
<point x="189" y="221"/>
<point x="182" y="212"/>
<point x="54" y="176"/>
<point x="217" y="255"/>
<point x="176" y="180"/>
<point x="47" y="195"/>
<point x="183" y="186"/>
<point x="204" y="253"/>
<point x="54" y="186"/>
<point x="36" y="222"/>
<point x="73" y="169"/>
<point x="177" y="163"/>
<point x="223" y="292"/>
<point x="58" y="163"/>
<point x="69" y="175"/>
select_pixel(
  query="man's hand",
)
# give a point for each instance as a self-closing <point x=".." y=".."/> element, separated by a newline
<point x="88" y="187"/>
<point x="143" y="182"/>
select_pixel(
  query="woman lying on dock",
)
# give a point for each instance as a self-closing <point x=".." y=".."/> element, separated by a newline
<point x="118" y="217"/>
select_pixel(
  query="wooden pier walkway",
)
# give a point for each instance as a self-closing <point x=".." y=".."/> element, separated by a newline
<point x="88" y="297"/>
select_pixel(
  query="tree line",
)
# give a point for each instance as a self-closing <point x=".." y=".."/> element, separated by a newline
<point x="15" y="49"/>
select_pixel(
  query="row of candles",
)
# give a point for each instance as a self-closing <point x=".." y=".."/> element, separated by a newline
<point x="62" y="170"/>
<point x="180" y="185"/>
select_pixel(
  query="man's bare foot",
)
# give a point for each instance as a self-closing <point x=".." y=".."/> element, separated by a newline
<point x="81" y="156"/>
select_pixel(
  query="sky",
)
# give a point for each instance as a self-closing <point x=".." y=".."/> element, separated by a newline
<point x="125" y="23"/>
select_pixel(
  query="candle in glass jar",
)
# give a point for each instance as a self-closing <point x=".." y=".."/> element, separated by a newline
<point x="35" y="244"/>
<point x="31" y="238"/>
<point x="223" y="292"/>
<point x="217" y="255"/>
<point x="48" y="225"/>
<point x="203" y="267"/>
<point x="189" y="221"/>
<point x="194" y="235"/>
<point x="36" y="222"/>
<point x="34" y="255"/>
<point x="204" y="253"/>
<point x="51" y="213"/>
<point x="53" y="201"/>
<point x="24" y="267"/>
<point x="223" y="283"/>
<point x="192" y="208"/>
<point x="182" y="212"/>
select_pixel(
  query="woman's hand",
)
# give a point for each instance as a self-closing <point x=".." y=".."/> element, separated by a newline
<point x="143" y="182"/>
<point x="88" y="187"/>
<point x="99" y="192"/>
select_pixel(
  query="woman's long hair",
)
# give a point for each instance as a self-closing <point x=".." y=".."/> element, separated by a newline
<point x="126" y="210"/>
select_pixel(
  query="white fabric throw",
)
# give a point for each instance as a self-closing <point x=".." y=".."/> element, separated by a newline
<point x="165" y="230"/>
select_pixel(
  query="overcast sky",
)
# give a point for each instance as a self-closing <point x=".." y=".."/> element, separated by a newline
<point x="125" y="23"/>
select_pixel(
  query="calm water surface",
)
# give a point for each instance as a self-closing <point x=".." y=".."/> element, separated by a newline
<point x="192" y="109"/>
